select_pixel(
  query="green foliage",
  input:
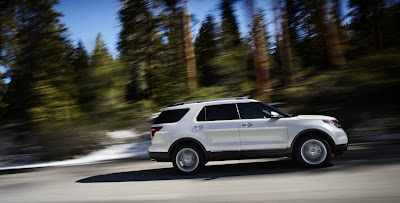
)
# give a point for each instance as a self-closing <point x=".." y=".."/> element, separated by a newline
<point x="230" y="37"/>
<point x="108" y="80"/>
<point x="206" y="50"/>
<point x="374" y="25"/>
<point x="233" y="55"/>
<point x="138" y="44"/>
<point x="170" y="78"/>
<point x="42" y="74"/>
<point x="82" y="78"/>
<point x="232" y="68"/>
<point x="305" y="32"/>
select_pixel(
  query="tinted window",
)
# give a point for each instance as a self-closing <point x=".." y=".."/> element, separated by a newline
<point x="202" y="115"/>
<point x="254" y="110"/>
<point x="171" y="116"/>
<point x="221" y="112"/>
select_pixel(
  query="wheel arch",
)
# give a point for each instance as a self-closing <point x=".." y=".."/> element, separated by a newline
<point x="186" y="140"/>
<point x="303" y="133"/>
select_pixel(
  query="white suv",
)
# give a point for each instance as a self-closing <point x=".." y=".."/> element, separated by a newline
<point x="192" y="133"/>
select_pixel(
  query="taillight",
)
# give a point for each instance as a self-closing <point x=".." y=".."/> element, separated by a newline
<point x="154" y="130"/>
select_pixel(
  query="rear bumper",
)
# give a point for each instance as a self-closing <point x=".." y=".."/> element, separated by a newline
<point x="339" y="149"/>
<point x="159" y="156"/>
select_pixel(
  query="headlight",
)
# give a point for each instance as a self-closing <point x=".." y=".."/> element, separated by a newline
<point x="334" y="122"/>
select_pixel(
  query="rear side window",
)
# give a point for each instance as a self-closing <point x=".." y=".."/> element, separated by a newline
<point x="171" y="116"/>
<point x="221" y="112"/>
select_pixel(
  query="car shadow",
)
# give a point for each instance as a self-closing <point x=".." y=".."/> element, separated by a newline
<point x="208" y="173"/>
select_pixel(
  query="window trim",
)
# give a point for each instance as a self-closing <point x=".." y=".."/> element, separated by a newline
<point x="237" y="109"/>
<point x="205" y="114"/>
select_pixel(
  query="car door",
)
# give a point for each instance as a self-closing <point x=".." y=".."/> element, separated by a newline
<point x="258" y="131"/>
<point x="217" y="124"/>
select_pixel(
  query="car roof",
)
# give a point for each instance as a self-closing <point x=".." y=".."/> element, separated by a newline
<point x="189" y="104"/>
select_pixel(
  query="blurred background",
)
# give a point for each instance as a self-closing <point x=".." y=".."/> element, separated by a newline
<point x="61" y="90"/>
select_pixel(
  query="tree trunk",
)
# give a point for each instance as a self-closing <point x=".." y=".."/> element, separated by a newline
<point x="189" y="50"/>
<point x="286" y="52"/>
<point x="263" y="85"/>
<point x="330" y="37"/>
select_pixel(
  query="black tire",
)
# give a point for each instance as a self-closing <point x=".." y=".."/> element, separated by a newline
<point x="192" y="152"/>
<point x="312" y="151"/>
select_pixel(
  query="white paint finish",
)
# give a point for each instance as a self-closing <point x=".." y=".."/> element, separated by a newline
<point x="219" y="135"/>
<point x="263" y="134"/>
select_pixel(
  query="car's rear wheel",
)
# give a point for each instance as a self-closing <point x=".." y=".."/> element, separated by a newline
<point x="188" y="159"/>
<point x="312" y="151"/>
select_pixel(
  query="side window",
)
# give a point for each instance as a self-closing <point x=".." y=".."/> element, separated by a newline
<point x="202" y="115"/>
<point x="171" y="116"/>
<point x="221" y="112"/>
<point x="253" y="110"/>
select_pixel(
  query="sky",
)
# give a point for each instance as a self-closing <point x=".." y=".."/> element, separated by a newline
<point x="86" y="18"/>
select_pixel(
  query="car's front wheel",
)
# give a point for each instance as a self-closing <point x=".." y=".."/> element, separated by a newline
<point x="313" y="151"/>
<point x="188" y="159"/>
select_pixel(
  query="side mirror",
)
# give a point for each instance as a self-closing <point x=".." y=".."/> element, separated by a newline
<point x="275" y="115"/>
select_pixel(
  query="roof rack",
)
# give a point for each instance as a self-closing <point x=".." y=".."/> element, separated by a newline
<point x="207" y="100"/>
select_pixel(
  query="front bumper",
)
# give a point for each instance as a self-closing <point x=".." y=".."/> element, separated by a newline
<point x="159" y="156"/>
<point x="338" y="150"/>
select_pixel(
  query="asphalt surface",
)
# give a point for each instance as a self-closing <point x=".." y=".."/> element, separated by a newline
<point x="368" y="172"/>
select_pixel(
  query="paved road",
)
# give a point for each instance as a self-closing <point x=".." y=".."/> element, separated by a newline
<point x="369" y="172"/>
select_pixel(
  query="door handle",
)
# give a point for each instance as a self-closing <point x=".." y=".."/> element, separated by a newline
<point x="247" y="124"/>
<point x="199" y="126"/>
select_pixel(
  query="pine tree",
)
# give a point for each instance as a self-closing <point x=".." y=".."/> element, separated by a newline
<point x="41" y="75"/>
<point x="82" y="76"/>
<point x="206" y="49"/>
<point x="171" y="74"/>
<point x="229" y="27"/>
<point x="294" y="11"/>
<point x="366" y="23"/>
<point x="233" y="57"/>
<point x="138" y="45"/>
<point x="318" y="41"/>
<point x="109" y="80"/>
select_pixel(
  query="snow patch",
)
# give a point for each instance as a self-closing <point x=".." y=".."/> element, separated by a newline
<point x="114" y="152"/>
<point x="122" y="134"/>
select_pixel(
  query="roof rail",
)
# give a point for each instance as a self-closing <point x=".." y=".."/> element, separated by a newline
<point x="207" y="100"/>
